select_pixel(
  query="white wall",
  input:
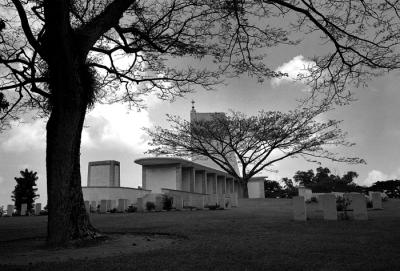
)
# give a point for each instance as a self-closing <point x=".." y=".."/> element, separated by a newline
<point x="256" y="189"/>
<point x="113" y="193"/>
<point x="158" y="177"/>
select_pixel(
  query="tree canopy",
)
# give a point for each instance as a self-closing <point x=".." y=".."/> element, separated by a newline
<point x="255" y="142"/>
<point x="25" y="191"/>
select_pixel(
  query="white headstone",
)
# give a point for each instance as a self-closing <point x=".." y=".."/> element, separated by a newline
<point x="38" y="208"/>
<point x="93" y="206"/>
<point x="24" y="208"/>
<point x="376" y="200"/>
<point x="87" y="206"/>
<point x="234" y="199"/>
<point x="329" y="206"/>
<point x="159" y="203"/>
<point x="140" y="205"/>
<point x="122" y="205"/>
<point x="177" y="202"/>
<point x="103" y="206"/>
<point x="359" y="206"/>
<point x="221" y="201"/>
<point x="113" y="204"/>
<point x="10" y="210"/>
<point x="299" y="208"/>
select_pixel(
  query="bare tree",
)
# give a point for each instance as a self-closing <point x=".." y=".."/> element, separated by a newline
<point x="58" y="57"/>
<point x="257" y="142"/>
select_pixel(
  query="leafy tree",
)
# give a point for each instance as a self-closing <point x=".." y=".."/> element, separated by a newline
<point x="390" y="187"/>
<point x="25" y="191"/>
<point x="305" y="178"/>
<point x="289" y="189"/>
<point x="61" y="56"/>
<point x="272" y="189"/>
<point x="250" y="139"/>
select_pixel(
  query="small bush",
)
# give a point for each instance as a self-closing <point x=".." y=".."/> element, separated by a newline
<point x="131" y="209"/>
<point x="213" y="207"/>
<point x="43" y="212"/>
<point x="167" y="202"/>
<point x="113" y="210"/>
<point x="369" y="203"/>
<point x="314" y="199"/>
<point x="150" y="206"/>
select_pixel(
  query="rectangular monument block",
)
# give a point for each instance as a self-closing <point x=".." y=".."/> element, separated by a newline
<point x="122" y="205"/>
<point x="376" y="200"/>
<point x="221" y="201"/>
<point x="113" y="204"/>
<point x="103" y="206"/>
<point x="38" y="208"/>
<point x="93" y="206"/>
<point x="329" y="206"/>
<point x="359" y="206"/>
<point x="159" y="203"/>
<point x="24" y="209"/>
<point x="178" y="202"/>
<point x="10" y="210"/>
<point x="299" y="208"/>
<point x="140" y="205"/>
<point x="87" y="206"/>
<point x="234" y="199"/>
<point x="108" y="205"/>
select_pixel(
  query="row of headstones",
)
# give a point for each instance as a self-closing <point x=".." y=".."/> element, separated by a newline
<point x="24" y="209"/>
<point x="328" y="205"/>
<point x="107" y="205"/>
<point x="180" y="202"/>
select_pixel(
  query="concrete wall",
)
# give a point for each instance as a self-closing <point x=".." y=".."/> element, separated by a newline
<point x="256" y="189"/>
<point x="113" y="193"/>
<point x="160" y="176"/>
<point x="104" y="173"/>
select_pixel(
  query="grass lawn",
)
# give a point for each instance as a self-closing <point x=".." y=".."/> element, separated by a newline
<point x="259" y="235"/>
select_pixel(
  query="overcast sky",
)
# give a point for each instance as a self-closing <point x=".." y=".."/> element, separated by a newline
<point x="114" y="133"/>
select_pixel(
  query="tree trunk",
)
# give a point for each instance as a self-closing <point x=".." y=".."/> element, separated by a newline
<point x="67" y="218"/>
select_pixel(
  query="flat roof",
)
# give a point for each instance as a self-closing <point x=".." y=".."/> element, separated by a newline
<point x="153" y="161"/>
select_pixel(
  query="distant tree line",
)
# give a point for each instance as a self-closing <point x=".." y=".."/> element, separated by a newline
<point x="322" y="181"/>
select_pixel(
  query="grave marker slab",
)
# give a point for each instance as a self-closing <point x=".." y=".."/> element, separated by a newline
<point x="221" y="201"/>
<point x="24" y="208"/>
<point x="299" y="208"/>
<point x="103" y="206"/>
<point x="87" y="206"/>
<point x="329" y="206"/>
<point x="140" y="205"/>
<point x="159" y="203"/>
<point x="10" y="210"/>
<point x="178" y="202"/>
<point x="38" y="208"/>
<point x="122" y="205"/>
<point x="376" y="200"/>
<point x="93" y="206"/>
<point x="359" y="206"/>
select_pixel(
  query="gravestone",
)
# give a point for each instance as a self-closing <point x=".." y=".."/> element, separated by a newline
<point x="108" y="205"/>
<point x="113" y="204"/>
<point x="103" y="206"/>
<point x="234" y="199"/>
<point x="10" y="210"/>
<point x="228" y="202"/>
<point x="159" y="203"/>
<point x="93" y="206"/>
<point x="140" y="205"/>
<point x="221" y="201"/>
<point x="178" y="202"/>
<point x="38" y="208"/>
<point x="87" y="206"/>
<point x="376" y="200"/>
<point x="122" y="205"/>
<point x="359" y="206"/>
<point x="24" y="208"/>
<point x="329" y="206"/>
<point x="299" y="208"/>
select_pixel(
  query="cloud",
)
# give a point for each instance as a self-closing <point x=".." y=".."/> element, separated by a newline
<point x="114" y="126"/>
<point x="25" y="137"/>
<point x="296" y="67"/>
<point x="376" y="175"/>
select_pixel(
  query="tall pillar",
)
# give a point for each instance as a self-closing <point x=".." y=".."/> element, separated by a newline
<point x="221" y="184"/>
<point x="179" y="185"/>
<point x="192" y="179"/>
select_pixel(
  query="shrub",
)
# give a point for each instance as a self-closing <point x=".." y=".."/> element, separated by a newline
<point x="150" y="206"/>
<point x="167" y="202"/>
<point x="131" y="209"/>
<point x="113" y="210"/>
<point x="43" y="212"/>
<point x="213" y="207"/>
<point x="314" y="199"/>
<point x="369" y="203"/>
